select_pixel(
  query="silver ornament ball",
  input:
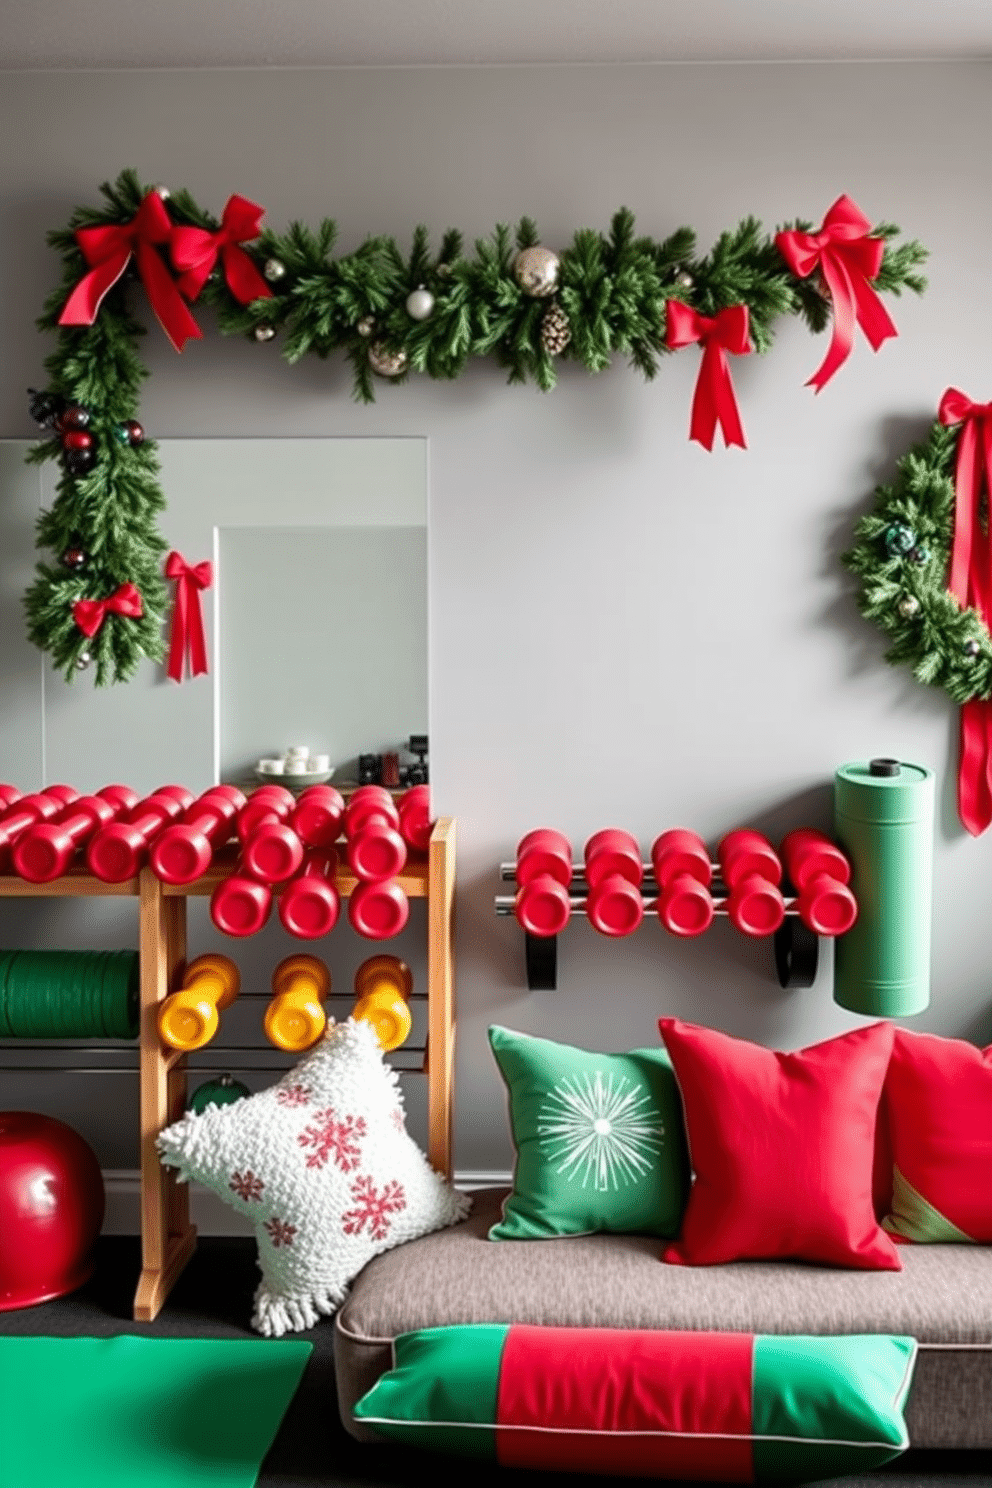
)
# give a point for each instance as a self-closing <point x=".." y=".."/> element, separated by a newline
<point x="908" y="606"/>
<point x="83" y="660"/>
<point x="419" y="303"/>
<point x="385" y="361"/>
<point x="972" y="648"/>
<point x="684" y="279"/>
<point x="366" y="325"/>
<point x="264" y="332"/>
<point x="274" y="270"/>
<point x="536" y="271"/>
<point x="163" y="192"/>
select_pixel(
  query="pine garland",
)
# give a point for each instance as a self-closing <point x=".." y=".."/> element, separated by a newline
<point x="901" y="555"/>
<point x="610" y="298"/>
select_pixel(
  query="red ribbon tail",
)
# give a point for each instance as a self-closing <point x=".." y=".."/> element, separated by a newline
<point x="177" y="642"/>
<point x="165" y="299"/>
<point x="975" y="766"/>
<point x="702" y="427"/>
<point x="714" y="401"/>
<point x="966" y="487"/>
<point x="842" y="294"/>
<point x="81" y="308"/>
<point x="873" y="318"/>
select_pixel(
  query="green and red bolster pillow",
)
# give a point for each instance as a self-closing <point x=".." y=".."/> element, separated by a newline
<point x="731" y="1407"/>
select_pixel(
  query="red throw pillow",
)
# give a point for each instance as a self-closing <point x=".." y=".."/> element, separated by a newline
<point x="939" y="1094"/>
<point x="781" y="1146"/>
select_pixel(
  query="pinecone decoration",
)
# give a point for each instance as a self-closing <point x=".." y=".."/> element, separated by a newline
<point x="556" y="332"/>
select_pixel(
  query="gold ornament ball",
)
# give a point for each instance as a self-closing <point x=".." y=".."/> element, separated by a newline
<point x="274" y="270"/>
<point x="419" y="303"/>
<point x="385" y="361"/>
<point x="264" y="332"/>
<point x="908" y="606"/>
<point x="536" y="271"/>
<point x="366" y="325"/>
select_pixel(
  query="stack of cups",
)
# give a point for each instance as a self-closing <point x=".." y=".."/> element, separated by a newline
<point x="69" y="994"/>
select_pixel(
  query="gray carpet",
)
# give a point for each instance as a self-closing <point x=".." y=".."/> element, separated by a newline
<point x="212" y="1299"/>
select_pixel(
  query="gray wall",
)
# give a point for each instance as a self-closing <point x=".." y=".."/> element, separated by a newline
<point x="624" y="629"/>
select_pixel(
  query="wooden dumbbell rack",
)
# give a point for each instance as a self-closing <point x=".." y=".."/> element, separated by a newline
<point x="168" y="1238"/>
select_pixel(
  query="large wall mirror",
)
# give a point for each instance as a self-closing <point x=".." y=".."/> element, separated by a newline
<point x="316" y="624"/>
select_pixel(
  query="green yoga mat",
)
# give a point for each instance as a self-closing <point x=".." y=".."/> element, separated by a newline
<point x="131" y="1412"/>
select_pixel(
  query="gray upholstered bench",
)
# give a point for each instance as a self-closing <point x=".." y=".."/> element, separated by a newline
<point x="943" y="1297"/>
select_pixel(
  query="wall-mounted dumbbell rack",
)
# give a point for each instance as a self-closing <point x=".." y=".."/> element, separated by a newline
<point x="168" y="1238"/>
<point x="615" y="890"/>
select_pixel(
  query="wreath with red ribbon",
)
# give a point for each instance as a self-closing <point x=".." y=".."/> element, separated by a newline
<point x="391" y="314"/>
<point x="923" y="555"/>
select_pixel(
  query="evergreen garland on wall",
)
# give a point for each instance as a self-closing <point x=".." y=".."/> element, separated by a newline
<point x="391" y="314"/>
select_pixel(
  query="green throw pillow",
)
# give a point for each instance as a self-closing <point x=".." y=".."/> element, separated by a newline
<point x="599" y="1137"/>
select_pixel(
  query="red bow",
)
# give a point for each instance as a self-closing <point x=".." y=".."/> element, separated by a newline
<point x="195" y="251"/>
<point x="970" y="582"/>
<point x="714" y="401"/>
<point x="89" y="613"/>
<point x="848" y="260"/>
<point x="109" y="249"/>
<point x="188" y="638"/>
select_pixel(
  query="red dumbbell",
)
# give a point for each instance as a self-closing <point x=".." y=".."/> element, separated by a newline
<point x="266" y="802"/>
<point x="270" y="849"/>
<point x="310" y="904"/>
<point x="416" y="824"/>
<point x="614" y="872"/>
<point x="821" y="873"/>
<point x="542" y="904"/>
<point x="376" y="851"/>
<point x="378" y="910"/>
<point x="752" y="871"/>
<point x="683" y="872"/>
<point x="64" y="793"/>
<point x="318" y="816"/>
<point x="184" y="850"/>
<point x="117" y="851"/>
<point x="25" y="813"/>
<point x="9" y="796"/>
<point x="240" y="905"/>
<point x="46" y="850"/>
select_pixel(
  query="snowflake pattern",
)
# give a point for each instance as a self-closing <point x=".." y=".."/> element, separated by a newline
<point x="296" y="1094"/>
<point x="333" y="1137"/>
<point x="279" y="1232"/>
<point x="398" y="1119"/>
<point x="247" y="1186"/>
<point x="373" y="1208"/>
<point x="601" y="1128"/>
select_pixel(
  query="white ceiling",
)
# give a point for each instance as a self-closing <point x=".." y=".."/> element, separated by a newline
<point x="331" y="33"/>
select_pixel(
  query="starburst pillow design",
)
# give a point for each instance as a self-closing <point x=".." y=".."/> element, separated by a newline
<point x="599" y="1140"/>
<point x="324" y="1168"/>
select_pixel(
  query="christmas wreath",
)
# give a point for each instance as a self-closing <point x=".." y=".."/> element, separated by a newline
<point x="391" y="314"/>
<point x="923" y="555"/>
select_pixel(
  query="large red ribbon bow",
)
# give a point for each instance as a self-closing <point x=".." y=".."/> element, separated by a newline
<point x="109" y="249"/>
<point x="188" y="638"/>
<point x="713" y="401"/>
<point x="970" y="582"/>
<point x="195" y="251"/>
<point x="849" y="260"/>
<point x="89" y="614"/>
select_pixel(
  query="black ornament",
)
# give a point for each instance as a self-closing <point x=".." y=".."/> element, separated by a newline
<point x="920" y="555"/>
<point x="45" y="408"/>
<point x="74" y="417"/>
<point x="74" y="558"/>
<point x="79" y="461"/>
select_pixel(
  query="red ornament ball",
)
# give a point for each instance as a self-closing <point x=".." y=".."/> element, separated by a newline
<point x="135" y="433"/>
<point x="77" y="439"/>
<point x="74" y="417"/>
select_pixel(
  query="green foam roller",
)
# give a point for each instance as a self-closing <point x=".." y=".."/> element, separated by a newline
<point x="69" y="994"/>
<point x="883" y="818"/>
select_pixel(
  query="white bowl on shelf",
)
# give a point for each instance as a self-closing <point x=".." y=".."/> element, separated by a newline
<point x="297" y="778"/>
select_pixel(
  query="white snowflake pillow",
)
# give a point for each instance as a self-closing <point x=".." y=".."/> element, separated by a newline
<point x="323" y="1166"/>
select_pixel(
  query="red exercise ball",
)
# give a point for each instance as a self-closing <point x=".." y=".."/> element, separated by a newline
<point x="51" y="1209"/>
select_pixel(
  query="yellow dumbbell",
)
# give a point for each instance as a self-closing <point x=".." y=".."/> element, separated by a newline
<point x="294" y="1019"/>
<point x="188" y="1019"/>
<point x="383" y="985"/>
